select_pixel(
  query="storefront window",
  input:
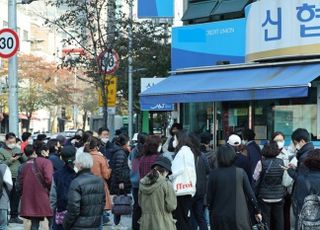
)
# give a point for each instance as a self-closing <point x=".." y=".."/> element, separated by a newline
<point x="286" y="115"/>
<point x="197" y="117"/>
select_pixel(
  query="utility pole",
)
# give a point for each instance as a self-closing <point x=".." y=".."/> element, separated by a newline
<point x="110" y="40"/>
<point x="130" y="70"/>
<point x="13" y="73"/>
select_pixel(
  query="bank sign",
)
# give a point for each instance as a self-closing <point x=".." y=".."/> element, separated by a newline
<point x="283" y="28"/>
<point x="208" y="43"/>
<point x="155" y="8"/>
<point x="147" y="83"/>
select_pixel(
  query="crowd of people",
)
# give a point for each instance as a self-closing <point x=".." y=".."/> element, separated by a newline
<point x="179" y="184"/>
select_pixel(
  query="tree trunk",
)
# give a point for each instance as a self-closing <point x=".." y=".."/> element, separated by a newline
<point x="28" y="123"/>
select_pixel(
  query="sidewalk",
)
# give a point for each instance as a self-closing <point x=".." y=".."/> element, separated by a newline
<point x="125" y="224"/>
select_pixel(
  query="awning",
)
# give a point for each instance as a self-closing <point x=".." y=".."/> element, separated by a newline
<point x="234" y="85"/>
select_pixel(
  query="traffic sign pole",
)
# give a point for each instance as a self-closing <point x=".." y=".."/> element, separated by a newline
<point x="13" y="73"/>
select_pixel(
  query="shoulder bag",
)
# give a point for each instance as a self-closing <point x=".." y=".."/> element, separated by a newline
<point x="39" y="176"/>
<point x="182" y="184"/>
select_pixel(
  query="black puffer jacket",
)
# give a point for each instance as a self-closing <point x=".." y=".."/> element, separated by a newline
<point x="86" y="201"/>
<point x="120" y="171"/>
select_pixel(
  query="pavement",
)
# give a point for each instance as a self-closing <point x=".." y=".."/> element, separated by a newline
<point x="125" y="224"/>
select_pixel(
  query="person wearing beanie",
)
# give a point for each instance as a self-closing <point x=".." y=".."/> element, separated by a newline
<point x="60" y="186"/>
<point x="157" y="198"/>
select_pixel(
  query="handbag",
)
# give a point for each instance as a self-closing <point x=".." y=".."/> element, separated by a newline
<point x="59" y="217"/>
<point x="122" y="205"/>
<point x="183" y="184"/>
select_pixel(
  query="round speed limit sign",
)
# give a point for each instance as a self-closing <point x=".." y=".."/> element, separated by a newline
<point x="108" y="61"/>
<point x="9" y="43"/>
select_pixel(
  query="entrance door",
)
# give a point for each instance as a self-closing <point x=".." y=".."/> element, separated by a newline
<point x="235" y="117"/>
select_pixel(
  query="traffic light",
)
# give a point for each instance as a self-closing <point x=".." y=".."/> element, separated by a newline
<point x="27" y="1"/>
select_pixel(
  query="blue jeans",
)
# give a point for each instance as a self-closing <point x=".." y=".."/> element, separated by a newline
<point x="3" y="219"/>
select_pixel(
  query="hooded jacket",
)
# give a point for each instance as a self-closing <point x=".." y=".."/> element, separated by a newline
<point x="157" y="201"/>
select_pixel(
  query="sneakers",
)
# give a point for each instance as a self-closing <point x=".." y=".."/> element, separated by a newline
<point x="15" y="220"/>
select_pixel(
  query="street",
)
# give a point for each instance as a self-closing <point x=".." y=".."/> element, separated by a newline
<point x="125" y="224"/>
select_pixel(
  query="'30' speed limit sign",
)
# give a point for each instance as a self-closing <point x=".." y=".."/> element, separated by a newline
<point x="9" y="43"/>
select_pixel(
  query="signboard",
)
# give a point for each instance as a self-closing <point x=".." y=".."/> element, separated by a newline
<point x="9" y="43"/>
<point x="155" y="8"/>
<point x="147" y="83"/>
<point x="286" y="28"/>
<point x="208" y="43"/>
<point x="111" y="86"/>
<point x="108" y="62"/>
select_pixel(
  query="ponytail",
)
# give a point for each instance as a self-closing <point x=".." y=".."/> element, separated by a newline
<point x="153" y="175"/>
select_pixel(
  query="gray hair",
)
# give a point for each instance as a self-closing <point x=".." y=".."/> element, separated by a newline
<point x="85" y="160"/>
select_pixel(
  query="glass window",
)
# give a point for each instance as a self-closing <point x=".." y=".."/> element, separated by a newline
<point x="197" y="117"/>
<point x="286" y="115"/>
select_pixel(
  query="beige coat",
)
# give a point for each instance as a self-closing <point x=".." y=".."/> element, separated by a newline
<point x="101" y="169"/>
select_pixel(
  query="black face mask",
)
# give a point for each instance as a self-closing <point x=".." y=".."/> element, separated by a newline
<point x="59" y="149"/>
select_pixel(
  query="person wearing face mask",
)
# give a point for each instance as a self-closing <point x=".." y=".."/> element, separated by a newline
<point x="286" y="156"/>
<point x="12" y="156"/>
<point x="62" y="179"/>
<point x="26" y="140"/>
<point x="106" y="145"/>
<point x="301" y="140"/>
<point x="54" y="154"/>
<point x="184" y="164"/>
<point x="120" y="176"/>
<point x="100" y="168"/>
<point x="168" y="145"/>
<point x="35" y="183"/>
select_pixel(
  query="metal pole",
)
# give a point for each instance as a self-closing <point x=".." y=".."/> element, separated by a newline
<point x="130" y="114"/>
<point x="13" y="73"/>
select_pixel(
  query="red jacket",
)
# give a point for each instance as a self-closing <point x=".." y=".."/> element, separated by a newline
<point x="35" y="197"/>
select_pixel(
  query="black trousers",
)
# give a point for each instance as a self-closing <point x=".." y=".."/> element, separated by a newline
<point x="35" y="223"/>
<point x="286" y="209"/>
<point x="136" y="210"/>
<point x="272" y="213"/>
<point x="14" y="200"/>
<point x="197" y="213"/>
<point x="183" y="212"/>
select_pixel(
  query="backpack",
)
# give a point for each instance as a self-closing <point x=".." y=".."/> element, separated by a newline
<point x="309" y="217"/>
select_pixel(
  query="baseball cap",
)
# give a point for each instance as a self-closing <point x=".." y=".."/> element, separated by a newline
<point x="234" y="140"/>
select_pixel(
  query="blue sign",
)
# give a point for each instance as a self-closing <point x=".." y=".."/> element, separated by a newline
<point x="206" y="44"/>
<point x="157" y="107"/>
<point x="155" y="9"/>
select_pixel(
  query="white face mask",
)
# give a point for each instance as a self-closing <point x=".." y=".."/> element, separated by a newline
<point x="244" y="142"/>
<point x="105" y="140"/>
<point x="75" y="169"/>
<point x="280" y="144"/>
<point x="298" y="147"/>
<point x="175" y="143"/>
<point x="30" y="141"/>
<point x="11" y="146"/>
<point x="159" y="148"/>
